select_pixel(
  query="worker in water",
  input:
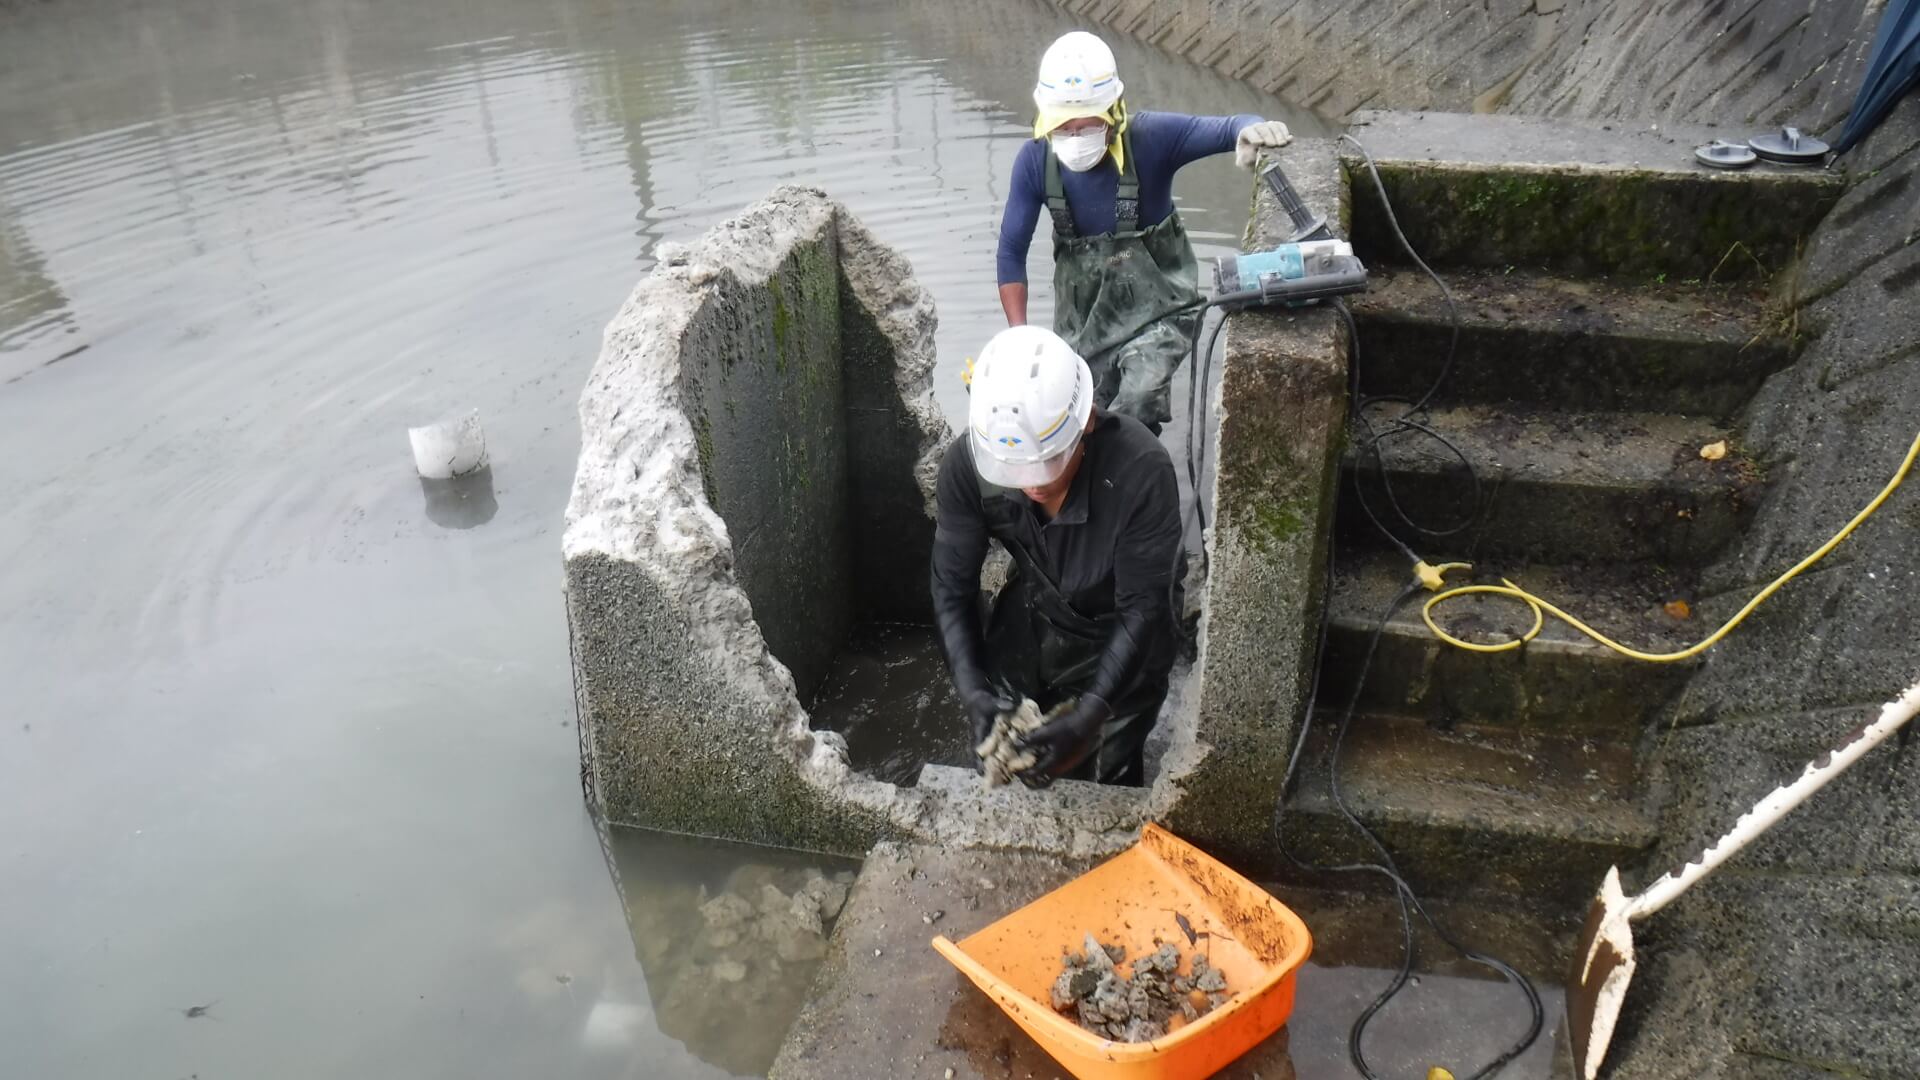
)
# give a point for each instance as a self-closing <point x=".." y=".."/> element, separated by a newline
<point x="1084" y="500"/>
<point x="1125" y="289"/>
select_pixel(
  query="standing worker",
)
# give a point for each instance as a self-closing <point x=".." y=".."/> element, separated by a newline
<point x="1085" y="502"/>
<point x="1125" y="284"/>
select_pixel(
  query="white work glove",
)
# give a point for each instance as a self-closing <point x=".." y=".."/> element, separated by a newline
<point x="1265" y="135"/>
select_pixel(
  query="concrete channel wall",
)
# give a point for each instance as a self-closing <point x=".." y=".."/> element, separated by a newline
<point x="1764" y="62"/>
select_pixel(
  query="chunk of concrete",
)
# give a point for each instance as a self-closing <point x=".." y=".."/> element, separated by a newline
<point x="758" y="420"/>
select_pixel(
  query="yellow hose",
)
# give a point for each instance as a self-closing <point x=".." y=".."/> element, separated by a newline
<point x="1430" y="575"/>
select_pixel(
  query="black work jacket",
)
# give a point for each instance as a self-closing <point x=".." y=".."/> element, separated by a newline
<point x="1113" y="549"/>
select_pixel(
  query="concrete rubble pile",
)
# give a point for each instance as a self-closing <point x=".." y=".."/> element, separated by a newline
<point x="1139" y="1008"/>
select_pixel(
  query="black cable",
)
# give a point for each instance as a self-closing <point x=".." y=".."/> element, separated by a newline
<point x="1199" y="373"/>
<point x="1371" y="439"/>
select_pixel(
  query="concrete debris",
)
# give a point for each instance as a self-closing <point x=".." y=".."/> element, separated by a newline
<point x="1139" y="1008"/>
<point x="1004" y="754"/>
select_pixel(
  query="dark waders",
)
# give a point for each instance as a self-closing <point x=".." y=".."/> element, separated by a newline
<point x="1039" y="646"/>
<point x="1124" y="300"/>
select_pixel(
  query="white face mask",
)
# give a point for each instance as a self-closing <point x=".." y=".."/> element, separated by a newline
<point x="1080" y="150"/>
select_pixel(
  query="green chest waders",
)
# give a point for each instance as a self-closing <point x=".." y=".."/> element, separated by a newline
<point x="1125" y="300"/>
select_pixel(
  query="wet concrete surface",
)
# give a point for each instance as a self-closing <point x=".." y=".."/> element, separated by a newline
<point x="889" y="694"/>
<point x="887" y="1005"/>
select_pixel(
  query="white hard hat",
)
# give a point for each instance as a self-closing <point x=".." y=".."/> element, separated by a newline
<point x="1031" y="396"/>
<point x="1077" y="78"/>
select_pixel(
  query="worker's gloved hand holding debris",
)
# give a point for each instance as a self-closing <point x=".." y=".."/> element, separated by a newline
<point x="983" y="708"/>
<point x="1072" y="732"/>
<point x="1003" y="754"/>
<point x="1265" y="135"/>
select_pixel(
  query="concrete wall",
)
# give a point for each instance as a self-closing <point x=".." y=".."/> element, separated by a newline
<point x="1805" y="948"/>
<point x="1281" y="409"/>
<point x="761" y="382"/>
<point x="1762" y="62"/>
<point x="759" y="447"/>
<point x="716" y="519"/>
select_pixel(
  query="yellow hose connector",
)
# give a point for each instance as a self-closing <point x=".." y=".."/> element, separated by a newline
<point x="1429" y="575"/>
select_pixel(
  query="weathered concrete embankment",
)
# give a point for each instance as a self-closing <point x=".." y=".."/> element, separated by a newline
<point x="1798" y="959"/>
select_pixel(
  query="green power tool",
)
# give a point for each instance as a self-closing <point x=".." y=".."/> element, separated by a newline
<point x="1312" y="265"/>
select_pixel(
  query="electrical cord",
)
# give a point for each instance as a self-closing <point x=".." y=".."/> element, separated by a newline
<point x="1508" y="589"/>
<point x="1371" y="438"/>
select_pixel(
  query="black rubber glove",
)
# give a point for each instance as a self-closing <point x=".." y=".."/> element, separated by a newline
<point x="1066" y="740"/>
<point x="983" y="706"/>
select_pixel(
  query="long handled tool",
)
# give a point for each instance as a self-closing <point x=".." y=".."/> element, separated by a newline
<point x="1603" y="963"/>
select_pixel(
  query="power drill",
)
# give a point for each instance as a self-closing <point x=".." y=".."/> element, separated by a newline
<point x="1310" y="266"/>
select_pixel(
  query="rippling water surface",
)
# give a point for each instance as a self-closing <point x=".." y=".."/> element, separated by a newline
<point x="282" y="729"/>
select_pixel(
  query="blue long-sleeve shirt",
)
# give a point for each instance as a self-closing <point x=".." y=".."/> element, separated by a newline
<point x="1160" y="144"/>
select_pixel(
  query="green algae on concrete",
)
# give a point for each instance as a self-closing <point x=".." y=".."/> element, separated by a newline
<point x="709" y="549"/>
<point x="1620" y="198"/>
<point x="1281" y="422"/>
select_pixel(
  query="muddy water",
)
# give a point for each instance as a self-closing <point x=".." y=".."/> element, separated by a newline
<point x="282" y="729"/>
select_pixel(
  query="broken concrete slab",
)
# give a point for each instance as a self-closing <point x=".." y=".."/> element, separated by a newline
<point x="710" y="538"/>
<point x="1620" y="198"/>
<point x="698" y="633"/>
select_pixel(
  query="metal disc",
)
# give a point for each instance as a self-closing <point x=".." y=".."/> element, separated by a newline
<point x="1722" y="154"/>
<point x="1789" y="147"/>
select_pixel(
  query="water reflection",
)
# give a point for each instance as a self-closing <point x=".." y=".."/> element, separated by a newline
<point x="462" y="502"/>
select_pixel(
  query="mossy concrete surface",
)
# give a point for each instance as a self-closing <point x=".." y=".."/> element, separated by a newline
<point x="1281" y="410"/>
<point x="710" y="544"/>
<point x="1596" y="198"/>
<point x="1558" y="487"/>
<point x="1618" y="345"/>
<point x="1561" y="683"/>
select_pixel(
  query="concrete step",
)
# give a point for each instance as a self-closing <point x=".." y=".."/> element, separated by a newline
<point x="1559" y="683"/>
<point x="1560" y="486"/>
<point x="1583" y="197"/>
<point x="1701" y="350"/>
<point x="1530" y="817"/>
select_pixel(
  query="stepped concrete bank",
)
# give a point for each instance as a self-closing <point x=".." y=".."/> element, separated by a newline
<point x="1797" y="959"/>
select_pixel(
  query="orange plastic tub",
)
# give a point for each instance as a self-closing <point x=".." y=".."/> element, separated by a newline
<point x="1132" y="899"/>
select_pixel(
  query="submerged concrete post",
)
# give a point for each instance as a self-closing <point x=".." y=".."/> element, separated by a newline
<point x="758" y="444"/>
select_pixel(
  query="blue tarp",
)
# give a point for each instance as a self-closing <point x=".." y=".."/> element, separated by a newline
<point x="1892" y="70"/>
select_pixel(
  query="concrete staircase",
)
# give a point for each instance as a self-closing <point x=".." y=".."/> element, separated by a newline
<point x="1603" y="340"/>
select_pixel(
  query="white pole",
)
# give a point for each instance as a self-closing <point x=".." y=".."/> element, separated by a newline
<point x="1893" y="715"/>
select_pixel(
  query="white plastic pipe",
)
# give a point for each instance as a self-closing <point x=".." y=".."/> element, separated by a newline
<point x="1893" y="716"/>
<point x="450" y="448"/>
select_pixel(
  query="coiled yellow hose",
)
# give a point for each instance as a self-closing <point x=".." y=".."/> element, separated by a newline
<point x="1431" y="577"/>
